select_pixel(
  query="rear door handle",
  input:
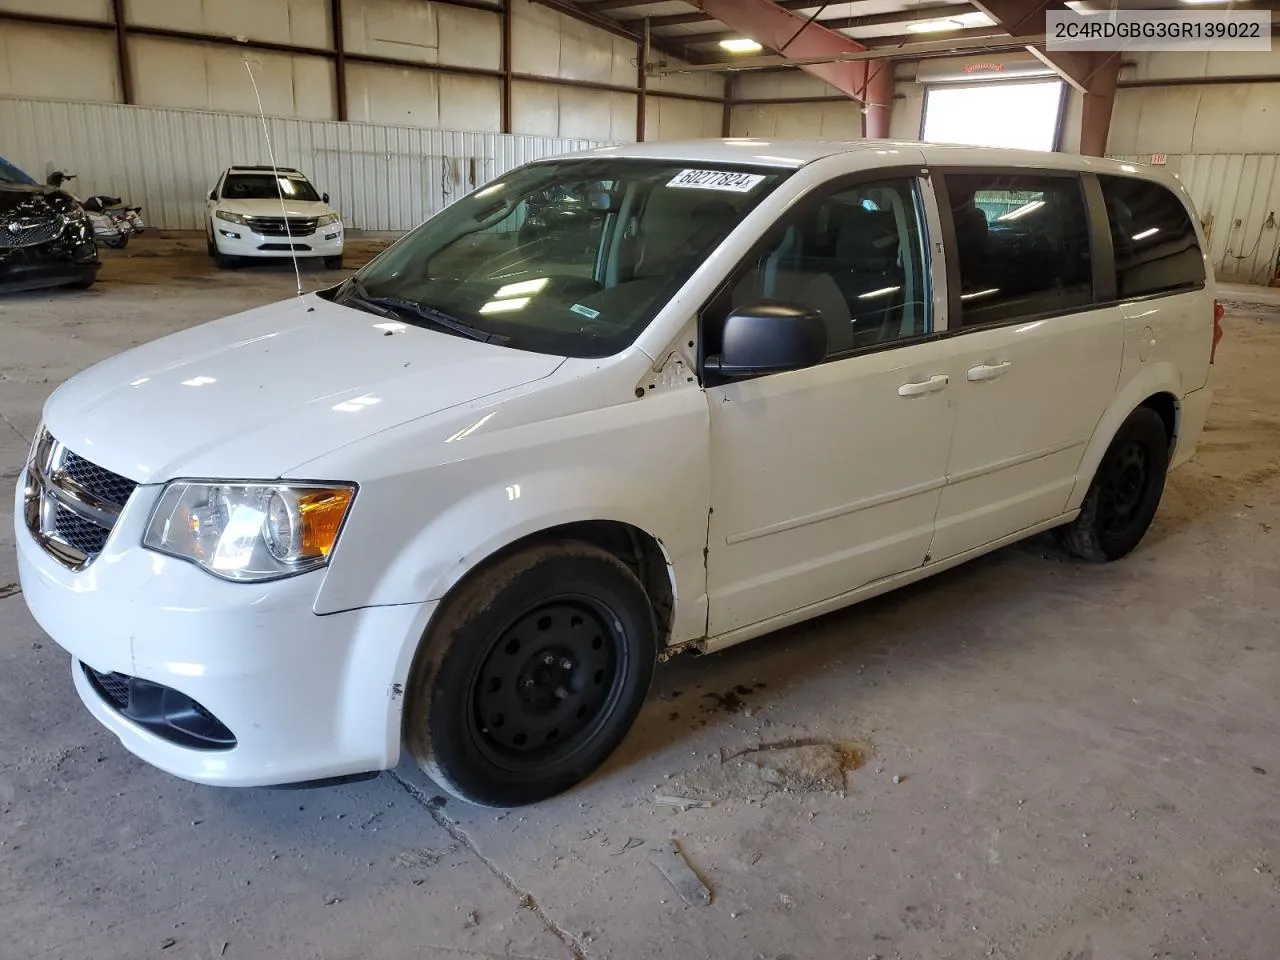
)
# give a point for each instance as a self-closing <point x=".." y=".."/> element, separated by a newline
<point x="932" y="385"/>
<point x="988" y="371"/>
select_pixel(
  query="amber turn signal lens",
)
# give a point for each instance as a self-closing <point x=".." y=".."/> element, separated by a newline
<point x="322" y="512"/>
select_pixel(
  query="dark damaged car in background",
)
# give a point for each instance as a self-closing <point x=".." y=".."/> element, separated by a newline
<point x="46" y="239"/>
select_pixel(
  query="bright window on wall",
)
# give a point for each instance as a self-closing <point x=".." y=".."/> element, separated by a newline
<point x="1023" y="115"/>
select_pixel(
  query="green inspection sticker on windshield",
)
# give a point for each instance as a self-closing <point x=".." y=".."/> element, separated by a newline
<point x="582" y="311"/>
<point x="725" y="180"/>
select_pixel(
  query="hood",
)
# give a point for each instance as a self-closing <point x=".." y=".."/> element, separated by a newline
<point x="271" y="207"/>
<point x="253" y="395"/>
<point x="21" y="198"/>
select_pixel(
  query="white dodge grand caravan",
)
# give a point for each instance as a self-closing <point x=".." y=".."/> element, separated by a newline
<point x="606" y="408"/>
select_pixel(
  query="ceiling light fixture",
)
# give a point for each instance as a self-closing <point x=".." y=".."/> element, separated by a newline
<point x="934" y="26"/>
<point x="741" y="45"/>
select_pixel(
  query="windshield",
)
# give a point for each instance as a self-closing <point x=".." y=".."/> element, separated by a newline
<point x="571" y="257"/>
<point x="11" y="174"/>
<point x="264" y="186"/>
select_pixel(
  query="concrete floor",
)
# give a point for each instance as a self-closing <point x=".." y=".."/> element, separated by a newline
<point x="1088" y="757"/>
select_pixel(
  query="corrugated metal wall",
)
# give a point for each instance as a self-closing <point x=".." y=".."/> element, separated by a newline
<point x="379" y="177"/>
<point x="1234" y="194"/>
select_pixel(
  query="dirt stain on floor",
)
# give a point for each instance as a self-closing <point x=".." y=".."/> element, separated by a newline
<point x="731" y="701"/>
<point x="791" y="766"/>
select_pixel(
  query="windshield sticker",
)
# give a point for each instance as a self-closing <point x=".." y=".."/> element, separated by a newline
<point x="582" y="311"/>
<point x="716" y="180"/>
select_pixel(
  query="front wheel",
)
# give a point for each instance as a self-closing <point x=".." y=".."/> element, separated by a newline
<point x="118" y="243"/>
<point x="533" y="676"/>
<point x="1125" y="492"/>
<point x="333" y="263"/>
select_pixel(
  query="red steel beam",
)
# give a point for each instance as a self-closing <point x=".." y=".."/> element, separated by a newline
<point x="940" y="11"/>
<point x="1026" y="17"/>
<point x="794" y="36"/>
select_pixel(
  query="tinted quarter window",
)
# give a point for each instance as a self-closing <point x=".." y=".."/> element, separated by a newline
<point x="1022" y="242"/>
<point x="1154" y="238"/>
<point x="856" y="257"/>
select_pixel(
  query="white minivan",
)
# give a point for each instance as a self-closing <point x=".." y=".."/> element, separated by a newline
<point x="609" y="407"/>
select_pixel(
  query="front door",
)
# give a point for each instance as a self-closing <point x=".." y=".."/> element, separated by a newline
<point x="828" y="478"/>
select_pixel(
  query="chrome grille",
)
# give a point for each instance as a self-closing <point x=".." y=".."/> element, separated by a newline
<point x="29" y="231"/>
<point x="70" y="504"/>
<point x="276" y="226"/>
<point x="108" y="486"/>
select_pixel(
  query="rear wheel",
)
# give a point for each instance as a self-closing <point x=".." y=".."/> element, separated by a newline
<point x="333" y="263"/>
<point x="1125" y="492"/>
<point x="533" y="676"/>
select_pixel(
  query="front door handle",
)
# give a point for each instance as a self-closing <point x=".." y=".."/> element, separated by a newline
<point x="988" y="371"/>
<point x="932" y="385"/>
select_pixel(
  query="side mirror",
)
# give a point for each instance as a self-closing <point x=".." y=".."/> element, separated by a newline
<point x="604" y="201"/>
<point x="770" y="337"/>
<point x="213" y="194"/>
<point x="324" y="197"/>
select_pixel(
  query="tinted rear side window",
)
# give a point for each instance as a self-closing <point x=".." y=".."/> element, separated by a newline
<point x="1154" y="238"/>
<point x="1022" y="241"/>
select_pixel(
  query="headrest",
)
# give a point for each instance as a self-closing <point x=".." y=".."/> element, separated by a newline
<point x="867" y="236"/>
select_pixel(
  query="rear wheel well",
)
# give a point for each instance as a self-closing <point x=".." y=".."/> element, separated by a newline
<point x="1166" y="405"/>
<point x="637" y="549"/>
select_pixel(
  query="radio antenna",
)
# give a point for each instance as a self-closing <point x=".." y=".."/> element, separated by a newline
<point x="275" y="172"/>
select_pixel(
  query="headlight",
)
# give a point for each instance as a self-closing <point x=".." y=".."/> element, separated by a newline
<point x="74" y="214"/>
<point x="327" y="219"/>
<point x="230" y="217"/>
<point x="242" y="530"/>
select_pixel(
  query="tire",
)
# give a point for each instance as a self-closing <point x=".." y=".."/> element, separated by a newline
<point x="119" y="243"/>
<point x="84" y="284"/>
<point x="208" y="244"/>
<point x="333" y="263"/>
<point x="533" y="676"/>
<point x="223" y="262"/>
<point x="1125" y="492"/>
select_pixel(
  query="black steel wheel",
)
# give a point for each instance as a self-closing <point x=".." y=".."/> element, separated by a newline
<point x="532" y="676"/>
<point x="1125" y="492"/>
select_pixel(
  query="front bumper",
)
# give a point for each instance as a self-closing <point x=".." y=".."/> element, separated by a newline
<point x="306" y="697"/>
<point x="236" y="240"/>
<point x="67" y="260"/>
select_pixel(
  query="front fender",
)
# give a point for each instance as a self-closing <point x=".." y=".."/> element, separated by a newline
<point x="414" y="535"/>
<point x="1148" y="380"/>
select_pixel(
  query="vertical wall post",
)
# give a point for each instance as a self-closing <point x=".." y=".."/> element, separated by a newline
<point x="878" y="104"/>
<point x="642" y="80"/>
<point x="1099" y="98"/>
<point x="122" y="53"/>
<point x="506" y="67"/>
<point x="726" y="115"/>
<point x="339" y="57"/>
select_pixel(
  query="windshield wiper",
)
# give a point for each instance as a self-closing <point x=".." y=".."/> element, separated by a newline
<point x="395" y="307"/>
<point x="438" y="318"/>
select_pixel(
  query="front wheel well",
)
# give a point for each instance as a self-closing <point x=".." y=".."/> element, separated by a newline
<point x="1166" y="405"/>
<point x="637" y="549"/>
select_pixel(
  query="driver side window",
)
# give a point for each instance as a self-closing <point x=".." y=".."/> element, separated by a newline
<point x="858" y="258"/>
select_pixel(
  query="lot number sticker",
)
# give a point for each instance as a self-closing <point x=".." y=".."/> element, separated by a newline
<point x="716" y="180"/>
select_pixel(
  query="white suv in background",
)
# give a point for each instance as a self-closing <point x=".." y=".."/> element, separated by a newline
<point x="609" y="407"/>
<point x="270" y="213"/>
